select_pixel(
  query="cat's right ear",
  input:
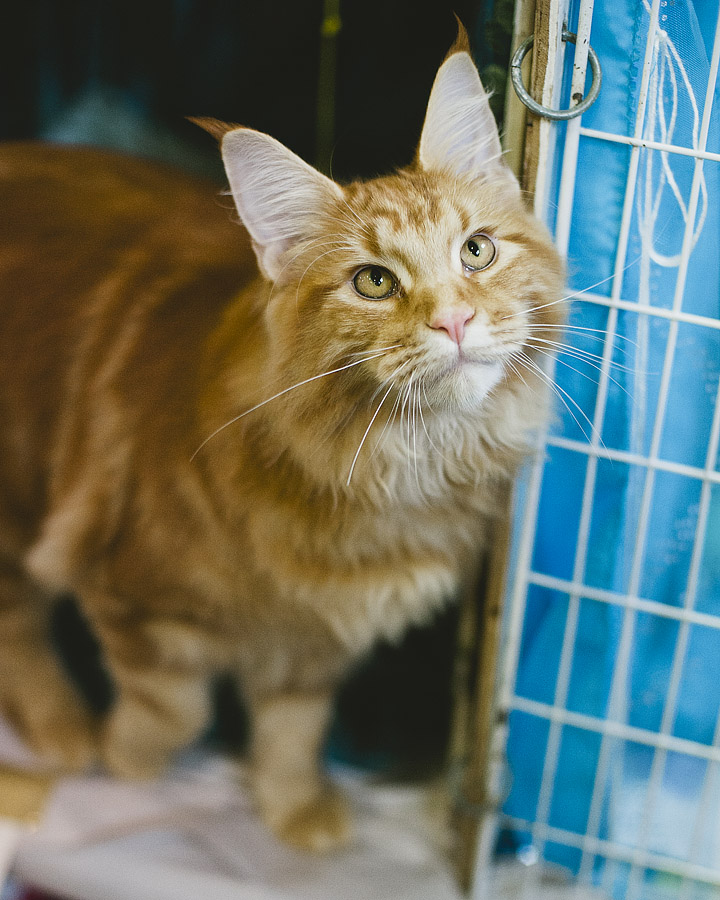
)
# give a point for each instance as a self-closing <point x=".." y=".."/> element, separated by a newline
<point x="278" y="195"/>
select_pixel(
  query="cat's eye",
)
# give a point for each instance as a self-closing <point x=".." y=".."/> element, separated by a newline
<point x="477" y="252"/>
<point x="375" y="283"/>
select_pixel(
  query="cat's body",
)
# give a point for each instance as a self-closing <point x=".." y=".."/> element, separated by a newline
<point x="279" y="546"/>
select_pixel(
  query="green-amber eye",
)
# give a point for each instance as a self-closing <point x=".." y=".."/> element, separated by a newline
<point x="477" y="252"/>
<point x="375" y="283"/>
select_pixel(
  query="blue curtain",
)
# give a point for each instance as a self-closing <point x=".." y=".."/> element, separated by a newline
<point x="652" y="267"/>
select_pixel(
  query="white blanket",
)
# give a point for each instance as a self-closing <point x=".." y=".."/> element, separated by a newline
<point x="193" y="835"/>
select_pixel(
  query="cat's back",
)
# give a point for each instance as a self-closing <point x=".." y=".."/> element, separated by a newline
<point x="86" y="236"/>
<point x="92" y="244"/>
<point x="97" y="204"/>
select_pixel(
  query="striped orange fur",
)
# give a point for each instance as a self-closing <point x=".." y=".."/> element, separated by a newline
<point x="236" y="459"/>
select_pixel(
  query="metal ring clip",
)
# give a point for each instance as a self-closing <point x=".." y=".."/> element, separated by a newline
<point x="537" y="108"/>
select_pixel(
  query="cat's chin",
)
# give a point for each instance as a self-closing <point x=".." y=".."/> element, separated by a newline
<point x="463" y="387"/>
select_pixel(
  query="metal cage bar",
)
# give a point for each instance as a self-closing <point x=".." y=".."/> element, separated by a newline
<point x="614" y="729"/>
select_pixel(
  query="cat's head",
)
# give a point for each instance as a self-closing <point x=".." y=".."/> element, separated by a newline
<point x="429" y="275"/>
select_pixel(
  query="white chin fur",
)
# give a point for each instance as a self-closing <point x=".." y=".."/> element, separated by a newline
<point x="466" y="387"/>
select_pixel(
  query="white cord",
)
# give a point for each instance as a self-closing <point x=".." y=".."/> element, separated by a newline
<point x="666" y="64"/>
<point x="669" y="76"/>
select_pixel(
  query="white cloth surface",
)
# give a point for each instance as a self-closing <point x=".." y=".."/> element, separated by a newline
<point x="13" y="752"/>
<point x="193" y="834"/>
<point x="515" y="881"/>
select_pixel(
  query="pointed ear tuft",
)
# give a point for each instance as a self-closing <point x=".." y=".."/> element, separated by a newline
<point x="279" y="196"/>
<point x="462" y="41"/>
<point x="459" y="134"/>
<point x="214" y="127"/>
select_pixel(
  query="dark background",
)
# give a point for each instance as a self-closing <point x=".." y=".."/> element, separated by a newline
<point x="125" y="75"/>
<point x="126" y="72"/>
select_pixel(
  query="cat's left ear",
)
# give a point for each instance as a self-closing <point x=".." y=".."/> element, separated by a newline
<point x="460" y="134"/>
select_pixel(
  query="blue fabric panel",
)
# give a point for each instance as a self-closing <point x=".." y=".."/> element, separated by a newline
<point x="657" y="564"/>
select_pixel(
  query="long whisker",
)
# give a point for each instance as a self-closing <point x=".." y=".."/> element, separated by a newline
<point x="570" y="296"/>
<point x="311" y="264"/>
<point x="551" y="355"/>
<point x="561" y="346"/>
<point x="592" y="359"/>
<point x="356" y="217"/>
<point x="376" y="350"/>
<point x="429" y="404"/>
<point x="425" y="428"/>
<point x="280" y="394"/>
<point x="600" y="333"/>
<point x="405" y="416"/>
<point x="556" y="390"/>
<point x="562" y="394"/>
<point x="519" y="374"/>
<point x="367" y="432"/>
<point x="414" y="433"/>
<point x="390" y="421"/>
<point x="303" y="248"/>
<point x="385" y="381"/>
<point x="393" y="412"/>
<point x="357" y="355"/>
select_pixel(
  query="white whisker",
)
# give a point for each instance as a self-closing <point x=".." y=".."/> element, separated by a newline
<point x="600" y="333"/>
<point x="591" y="359"/>
<point x="414" y="434"/>
<point x="405" y="417"/>
<point x="562" y="394"/>
<point x="519" y="374"/>
<point x="569" y="296"/>
<point x="376" y="350"/>
<point x="422" y="419"/>
<point x="388" y="424"/>
<point x="393" y="412"/>
<point x="310" y="265"/>
<point x="390" y="377"/>
<point x="552" y="355"/>
<point x="429" y="404"/>
<point x="280" y="394"/>
<point x="367" y="432"/>
<point x="315" y="243"/>
<point x="356" y="217"/>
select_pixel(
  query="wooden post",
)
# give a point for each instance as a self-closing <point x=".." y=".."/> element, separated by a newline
<point x="528" y="141"/>
<point x="472" y="745"/>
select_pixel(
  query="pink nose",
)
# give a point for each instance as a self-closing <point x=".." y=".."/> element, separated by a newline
<point x="453" y="321"/>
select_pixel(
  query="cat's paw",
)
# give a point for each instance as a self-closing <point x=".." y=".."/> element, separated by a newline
<point x="129" y="747"/>
<point x="319" y="825"/>
<point x="124" y="761"/>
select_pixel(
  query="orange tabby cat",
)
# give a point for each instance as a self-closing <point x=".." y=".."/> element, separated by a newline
<point x="254" y="462"/>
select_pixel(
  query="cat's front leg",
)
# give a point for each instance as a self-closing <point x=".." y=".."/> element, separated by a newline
<point x="162" y="698"/>
<point x="35" y="695"/>
<point x="294" y="798"/>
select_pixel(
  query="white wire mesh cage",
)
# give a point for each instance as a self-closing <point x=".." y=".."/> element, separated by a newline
<point x="611" y="665"/>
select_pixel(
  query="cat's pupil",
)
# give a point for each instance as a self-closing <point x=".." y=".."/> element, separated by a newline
<point x="377" y="277"/>
<point x="473" y="248"/>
